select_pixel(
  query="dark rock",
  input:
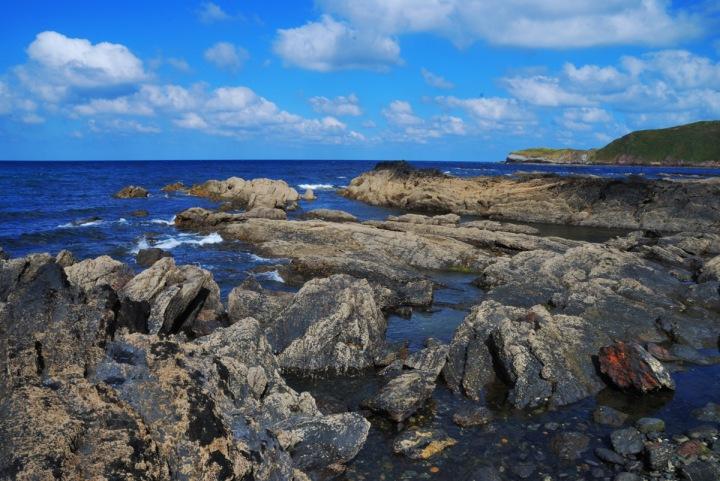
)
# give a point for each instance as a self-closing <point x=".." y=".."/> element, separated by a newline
<point x="710" y="412"/>
<point x="330" y="215"/>
<point x="430" y="359"/>
<point x="701" y="471"/>
<point x="472" y="416"/>
<point x="523" y="470"/>
<point x="627" y="477"/>
<point x="140" y="213"/>
<point x="485" y="473"/>
<point x="3" y="255"/>
<point x="705" y="432"/>
<point x="422" y="443"/>
<point x="131" y="192"/>
<point x="252" y="300"/>
<point x="627" y="441"/>
<point x="403" y="395"/>
<point x="609" y="417"/>
<point x="609" y="456"/>
<point x="569" y="445"/>
<point x="148" y="257"/>
<point x="629" y="366"/>
<point x="65" y="258"/>
<point x="650" y="425"/>
<point x="657" y="455"/>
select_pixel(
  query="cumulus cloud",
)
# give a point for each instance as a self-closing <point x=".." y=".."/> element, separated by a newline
<point x="436" y="81"/>
<point x="226" y="56"/>
<point x="121" y="126"/>
<point x="543" y="91"/>
<point x="329" y="45"/>
<point x="210" y="12"/>
<point x="585" y="118"/>
<point x="338" y="106"/>
<point x="400" y="112"/>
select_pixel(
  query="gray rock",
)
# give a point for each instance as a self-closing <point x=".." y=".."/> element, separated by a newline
<point x="430" y="359"/>
<point x="148" y="257"/>
<point x="263" y="213"/>
<point x="251" y="300"/>
<point x="100" y="271"/>
<point x="131" y="192"/>
<point x="627" y="477"/>
<point x="627" y="441"/>
<point x="650" y="425"/>
<point x="705" y="432"/>
<point x="485" y="473"/>
<point x="710" y="412"/>
<point x="3" y="255"/>
<point x="609" y="417"/>
<point x="609" y="456"/>
<point x="330" y="215"/>
<point x="64" y="258"/>
<point x="569" y="445"/>
<point x="403" y="395"/>
<point x="472" y="416"/>
<point x="701" y="471"/>
<point x="710" y="271"/>
<point x="657" y="455"/>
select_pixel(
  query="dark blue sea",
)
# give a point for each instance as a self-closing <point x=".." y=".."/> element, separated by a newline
<point x="49" y="206"/>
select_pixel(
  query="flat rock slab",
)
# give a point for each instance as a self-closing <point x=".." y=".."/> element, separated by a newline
<point x="422" y="443"/>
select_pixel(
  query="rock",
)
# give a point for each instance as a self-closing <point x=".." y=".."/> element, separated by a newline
<point x="330" y="215"/>
<point x="650" y="425"/>
<point x="100" y="271"/>
<point x="403" y="395"/>
<point x="168" y="299"/>
<point x="609" y="456"/>
<point x="3" y="255"/>
<point x="691" y="448"/>
<point x="609" y="417"/>
<point x="430" y="359"/>
<point x="264" y="213"/>
<point x="131" y="192"/>
<point x="446" y="219"/>
<point x="309" y="195"/>
<point x="331" y="324"/>
<point x="569" y="445"/>
<point x="701" y="471"/>
<point x="148" y="257"/>
<point x="422" y="443"/>
<point x="710" y="412"/>
<point x="710" y="271"/>
<point x="546" y="359"/>
<point x="629" y="366"/>
<point x="251" y="300"/>
<point x="471" y="417"/>
<point x="523" y="470"/>
<point x="249" y="193"/>
<point x="501" y="227"/>
<point x="64" y="258"/>
<point x="485" y="473"/>
<point x="704" y="432"/>
<point x="627" y="441"/>
<point x="140" y="213"/>
<point x="632" y="203"/>
<point x="174" y="187"/>
<point x="627" y="477"/>
<point x="657" y="455"/>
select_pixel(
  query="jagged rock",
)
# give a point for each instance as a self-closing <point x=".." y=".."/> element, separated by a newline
<point x="168" y="299"/>
<point x="710" y="271"/>
<point x="657" y="455"/>
<point x="476" y="416"/>
<point x="632" y="203"/>
<point x="569" y="445"/>
<point x="148" y="257"/>
<point x="309" y="195"/>
<point x="430" y="359"/>
<point x="609" y="417"/>
<point x="103" y="270"/>
<point x="251" y="300"/>
<point x="64" y="258"/>
<point x="403" y="395"/>
<point x="422" y="443"/>
<point x="546" y="359"/>
<point x="446" y="219"/>
<point x="131" y="192"/>
<point x="627" y="441"/>
<point x="330" y="324"/>
<point x="330" y="215"/>
<point x="629" y="366"/>
<point x="174" y="187"/>
<point x="249" y="193"/>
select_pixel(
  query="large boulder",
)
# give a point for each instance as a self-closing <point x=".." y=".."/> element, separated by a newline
<point x="103" y="270"/>
<point x="249" y="193"/>
<point x="168" y="299"/>
<point x="250" y="300"/>
<point x="132" y="192"/>
<point x="711" y="270"/>
<point x="332" y="324"/>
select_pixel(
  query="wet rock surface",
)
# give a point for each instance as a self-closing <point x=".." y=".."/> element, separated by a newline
<point x="629" y="366"/>
<point x="249" y="193"/>
<point x="132" y="192"/>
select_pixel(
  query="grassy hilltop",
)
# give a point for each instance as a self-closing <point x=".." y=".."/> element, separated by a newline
<point x="696" y="144"/>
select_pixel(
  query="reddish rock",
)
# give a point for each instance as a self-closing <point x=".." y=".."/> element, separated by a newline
<point x="691" y="448"/>
<point x="629" y="366"/>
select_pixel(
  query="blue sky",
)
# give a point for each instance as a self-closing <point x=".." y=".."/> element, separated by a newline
<point x="341" y="79"/>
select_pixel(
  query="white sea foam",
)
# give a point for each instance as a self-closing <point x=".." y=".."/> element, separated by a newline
<point x="72" y="225"/>
<point x="121" y="220"/>
<point x="270" y="276"/>
<point x="169" y="243"/>
<point x="257" y="258"/>
<point x="163" y="221"/>
<point x="317" y="186"/>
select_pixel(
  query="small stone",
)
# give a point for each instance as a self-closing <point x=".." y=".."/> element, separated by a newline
<point x="627" y="441"/>
<point x="65" y="258"/>
<point x="422" y="443"/>
<point x="691" y="448"/>
<point x="650" y="425"/>
<point x="309" y="195"/>
<point x="609" y="456"/>
<point x="657" y="455"/>
<point x="569" y="445"/>
<point x="609" y="417"/>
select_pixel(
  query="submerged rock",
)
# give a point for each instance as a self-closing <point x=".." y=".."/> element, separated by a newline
<point x="422" y="443"/>
<point x="174" y="187"/>
<point x="629" y="366"/>
<point x="569" y="445"/>
<point x="403" y="395"/>
<point x="132" y="192"/>
<point x="627" y="441"/>
<point x="609" y="417"/>
<point x="475" y="416"/>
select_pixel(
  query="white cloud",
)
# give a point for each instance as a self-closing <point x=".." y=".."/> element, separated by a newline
<point x="491" y="108"/>
<point x="436" y="81"/>
<point x="121" y="126"/>
<point x="59" y="64"/>
<point x="338" y="106"/>
<point x="585" y="118"/>
<point x="524" y="23"/>
<point x="543" y="91"/>
<point x="227" y="56"/>
<point x="401" y="113"/>
<point x="210" y="12"/>
<point x="331" y="45"/>
<point x="596" y="79"/>
<point x="179" y="64"/>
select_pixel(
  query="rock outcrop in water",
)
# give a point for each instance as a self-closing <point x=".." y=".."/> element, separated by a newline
<point x="132" y="192"/>
<point x="249" y="193"/>
<point x="84" y="397"/>
<point x="631" y="203"/>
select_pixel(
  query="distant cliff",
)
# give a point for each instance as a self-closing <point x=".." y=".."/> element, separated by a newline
<point x="696" y="144"/>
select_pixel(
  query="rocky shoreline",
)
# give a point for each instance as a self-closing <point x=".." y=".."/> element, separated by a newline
<point x="113" y="374"/>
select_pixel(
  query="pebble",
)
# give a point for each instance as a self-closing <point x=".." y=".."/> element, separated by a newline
<point x="650" y="425"/>
<point x="627" y="441"/>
